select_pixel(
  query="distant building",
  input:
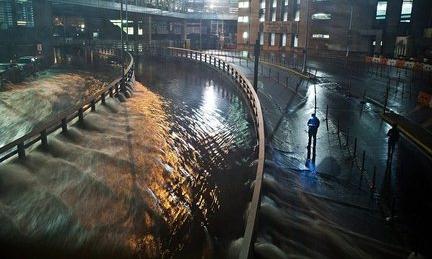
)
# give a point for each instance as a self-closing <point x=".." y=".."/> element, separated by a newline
<point x="404" y="28"/>
<point x="335" y="27"/>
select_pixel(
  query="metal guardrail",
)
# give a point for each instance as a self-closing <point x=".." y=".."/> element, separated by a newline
<point x="40" y="133"/>
<point x="254" y="102"/>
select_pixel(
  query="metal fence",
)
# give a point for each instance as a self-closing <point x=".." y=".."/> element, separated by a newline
<point x="19" y="146"/>
<point x="246" y="87"/>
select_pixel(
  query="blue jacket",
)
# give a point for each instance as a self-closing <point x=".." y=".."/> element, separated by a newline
<point x="313" y="124"/>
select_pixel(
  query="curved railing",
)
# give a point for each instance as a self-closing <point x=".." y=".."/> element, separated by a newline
<point x="254" y="102"/>
<point x="61" y="120"/>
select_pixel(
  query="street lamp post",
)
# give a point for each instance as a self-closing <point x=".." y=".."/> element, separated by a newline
<point x="256" y="55"/>
<point x="349" y="33"/>
<point x="306" y="38"/>
<point x="121" y="37"/>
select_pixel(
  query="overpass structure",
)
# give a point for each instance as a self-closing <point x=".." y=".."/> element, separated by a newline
<point x="135" y="9"/>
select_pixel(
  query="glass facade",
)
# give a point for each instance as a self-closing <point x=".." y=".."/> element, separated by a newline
<point x="16" y="13"/>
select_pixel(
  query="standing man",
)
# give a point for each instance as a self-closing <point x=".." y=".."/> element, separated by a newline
<point x="393" y="137"/>
<point x="313" y="124"/>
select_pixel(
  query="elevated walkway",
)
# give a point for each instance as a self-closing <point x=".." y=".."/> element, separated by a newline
<point x="146" y="10"/>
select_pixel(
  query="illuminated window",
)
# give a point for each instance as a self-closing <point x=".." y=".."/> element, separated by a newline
<point x="295" y="41"/>
<point x="261" y="38"/>
<point x="406" y="11"/>
<point x="262" y="18"/>
<point x="262" y="5"/>
<point x="243" y="19"/>
<point x="243" y="4"/>
<point x="320" y="36"/>
<point x="274" y="3"/>
<point x="273" y="16"/>
<point x="245" y="35"/>
<point x="285" y="16"/>
<point x="297" y="16"/>
<point x="381" y="10"/>
<point x="272" y="39"/>
<point x="321" y="16"/>
<point x="284" y="36"/>
<point x="286" y="2"/>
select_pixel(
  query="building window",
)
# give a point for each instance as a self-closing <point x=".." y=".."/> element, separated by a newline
<point x="261" y="38"/>
<point x="24" y="13"/>
<point x="243" y="4"/>
<point x="295" y="41"/>
<point x="262" y="15"/>
<point x="243" y="19"/>
<point x="320" y="36"/>
<point x="381" y="10"/>
<point x="297" y="16"/>
<point x="245" y="35"/>
<point x="273" y="18"/>
<point x="262" y="5"/>
<point x="284" y="36"/>
<point x="285" y="16"/>
<point x="274" y="3"/>
<point x="286" y="2"/>
<point x="321" y="16"/>
<point x="272" y="39"/>
<point x="406" y="11"/>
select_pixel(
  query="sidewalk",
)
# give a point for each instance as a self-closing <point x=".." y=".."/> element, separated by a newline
<point x="336" y="179"/>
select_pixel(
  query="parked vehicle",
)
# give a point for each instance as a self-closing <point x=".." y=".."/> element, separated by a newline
<point x="9" y="72"/>
<point x="28" y="65"/>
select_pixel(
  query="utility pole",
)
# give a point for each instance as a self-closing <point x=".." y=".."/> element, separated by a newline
<point x="256" y="55"/>
<point x="127" y="27"/>
<point x="349" y="34"/>
<point x="121" y="36"/>
<point x="306" y="38"/>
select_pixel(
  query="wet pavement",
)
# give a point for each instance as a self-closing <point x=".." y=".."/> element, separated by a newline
<point x="333" y="176"/>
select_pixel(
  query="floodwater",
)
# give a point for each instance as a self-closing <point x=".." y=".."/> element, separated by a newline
<point x="25" y="105"/>
<point x="164" y="175"/>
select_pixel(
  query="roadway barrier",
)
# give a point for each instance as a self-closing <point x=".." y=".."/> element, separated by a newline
<point x="424" y="99"/>
<point x="60" y="121"/>
<point x="399" y="63"/>
<point x="246" y="87"/>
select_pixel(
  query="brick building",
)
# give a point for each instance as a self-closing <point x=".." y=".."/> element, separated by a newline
<point x="335" y="27"/>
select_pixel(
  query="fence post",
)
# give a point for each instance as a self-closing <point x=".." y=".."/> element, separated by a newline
<point x="355" y="147"/>
<point x="363" y="161"/>
<point x="347" y="137"/>
<point x="327" y="117"/>
<point x="64" y="125"/>
<point x="21" y="150"/>
<point x="373" y="180"/>
<point x="44" y="138"/>
<point x="338" y="125"/>
<point x="80" y="114"/>
<point x="93" y="106"/>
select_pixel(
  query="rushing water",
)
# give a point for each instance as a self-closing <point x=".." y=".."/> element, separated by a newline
<point x="165" y="174"/>
<point x="212" y="131"/>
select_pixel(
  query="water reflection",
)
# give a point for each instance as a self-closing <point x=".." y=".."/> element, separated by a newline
<point x="162" y="175"/>
<point x="211" y="130"/>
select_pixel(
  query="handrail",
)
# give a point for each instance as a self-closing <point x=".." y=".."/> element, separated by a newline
<point x="254" y="102"/>
<point x="40" y="133"/>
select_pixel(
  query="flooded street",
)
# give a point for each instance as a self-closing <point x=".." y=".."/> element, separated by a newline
<point x="163" y="175"/>
<point x="27" y="104"/>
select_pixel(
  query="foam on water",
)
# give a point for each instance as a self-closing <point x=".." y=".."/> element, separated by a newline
<point x="295" y="224"/>
<point x="25" y="105"/>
